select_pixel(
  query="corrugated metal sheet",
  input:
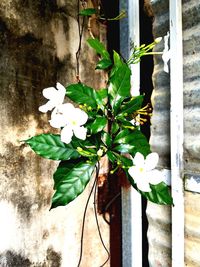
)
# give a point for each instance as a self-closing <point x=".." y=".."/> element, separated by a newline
<point x="191" y="36"/>
<point x="160" y="98"/>
<point x="159" y="217"/>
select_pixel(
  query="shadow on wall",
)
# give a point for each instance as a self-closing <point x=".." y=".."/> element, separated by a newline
<point x="12" y="259"/>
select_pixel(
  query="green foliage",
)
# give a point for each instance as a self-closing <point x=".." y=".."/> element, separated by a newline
<point x="99" y="48"/>
<point x="104" y="64"/>
<point x="70" y="180"/>
<point x="132" y="105"/>
<point x="128" y="141"/>
<point x="82" y="94"/>
<point x="98" y="125"/>
<point x="119" y="87"/>
<point x="51" y="147"/>
<point x="88" y="12"/>
<point x="109" y="128"/>
<point x="159" y="193"/>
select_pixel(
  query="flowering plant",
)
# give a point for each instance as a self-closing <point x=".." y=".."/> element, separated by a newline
<point x="103" y="123"/>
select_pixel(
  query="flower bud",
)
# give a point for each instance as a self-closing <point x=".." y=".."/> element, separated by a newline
<point x="157" y="40"/>
<point x="100" y="152"/>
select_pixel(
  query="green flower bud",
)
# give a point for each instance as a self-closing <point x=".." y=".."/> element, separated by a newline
<point x="157" y="40"/>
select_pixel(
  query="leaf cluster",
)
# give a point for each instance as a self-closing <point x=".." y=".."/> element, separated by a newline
<point x="110" y="132"/>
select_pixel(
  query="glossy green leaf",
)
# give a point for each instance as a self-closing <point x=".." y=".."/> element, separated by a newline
<point x="128" y="141"/>
<point x="51" y="147"/>
<point x="117" y="59"/>
<point x="103" y="64"/>
<point x="127" y="162"/>
<point x="111" y="156"/>
<point x="114" y="127"/>
<point x="106" y="138"/>
<point x="117" y="62"/>
<point x="159" y="193"/>
<point x="87" y="12"/>
<point x="82" y="94"/>
<point x="133" y="105"/>
<point x="70" y="180"/>
<point x="101" y="95"/>
<point x="99" y="47"/>
<point x="98" y="125"/>
<point x="119" y="87"/>
<point x="87" y="152"/>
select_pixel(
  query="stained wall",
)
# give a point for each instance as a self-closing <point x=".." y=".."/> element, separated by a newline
<point x="38" y="43"/>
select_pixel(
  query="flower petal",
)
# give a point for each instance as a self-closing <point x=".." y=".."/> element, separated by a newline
<point x="143" y="186"/>
<point x="67" y="110"/>
<point x="151" y="161"/>
<point x="49" y="92"/>
<point x="66" y="134"/>
<point x="61" y="88"/>
<point x="166" y="53"/>
<point x="80" y="132"/>
<point x="138" y="160"/>
<point x="154" y="177"/>
<point x="80" y="116"/>
<point x="57" y="121"/>
<point x="46" y="107"/>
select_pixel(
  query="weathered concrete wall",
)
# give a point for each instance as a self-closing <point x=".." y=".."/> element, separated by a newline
<point x="38" y="42"/>
<point x="159" y="217"/>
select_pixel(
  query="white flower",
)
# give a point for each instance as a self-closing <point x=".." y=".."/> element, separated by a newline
<point x="143" y="171"/>
<point x="55" y="97"/>
<point x="166" y="53"/>
<point x="71" y="119"/>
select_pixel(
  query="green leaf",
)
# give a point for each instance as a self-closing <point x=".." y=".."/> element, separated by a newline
<point x="114" y="127"/>
<point x="100" y="97"/>
<point x="117" y="59"/>
<point x="119" y="86"/>
<point x="111" y="156"/>
<point x="98" y="125"/>
<point x="106" y="138"/>
<point x="128" y="141"/>
<point x="51" y="147"/>
<point x="159" y="193"/>
<point x="133" y="105"/>
<point x="103" y="64"/>
<point x="82" y="94"/>
<point x="99" y="47"/>
<point x="70" y="180"/>
<point x="102" y="93"/>
<point x="87" y="12"/>
<point x="117" y="62"/>
<point x="126" y="161"/>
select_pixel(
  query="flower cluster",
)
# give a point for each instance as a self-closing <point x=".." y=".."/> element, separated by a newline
<point x="64" y="116"/>
<point x="84" y="136"/>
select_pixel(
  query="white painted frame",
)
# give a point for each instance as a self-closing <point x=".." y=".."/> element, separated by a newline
<point x="176" y="127"/>
<point x="131" y="199"/>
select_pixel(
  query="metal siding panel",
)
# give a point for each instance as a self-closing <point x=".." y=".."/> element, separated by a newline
<point x="159" y="217"/>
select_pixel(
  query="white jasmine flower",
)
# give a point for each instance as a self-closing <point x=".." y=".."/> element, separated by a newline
<point x="55" y="97"/>
<point x="71" y="119"/>
<point x="143" y="171"/>
<point x="166" y="53"/>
